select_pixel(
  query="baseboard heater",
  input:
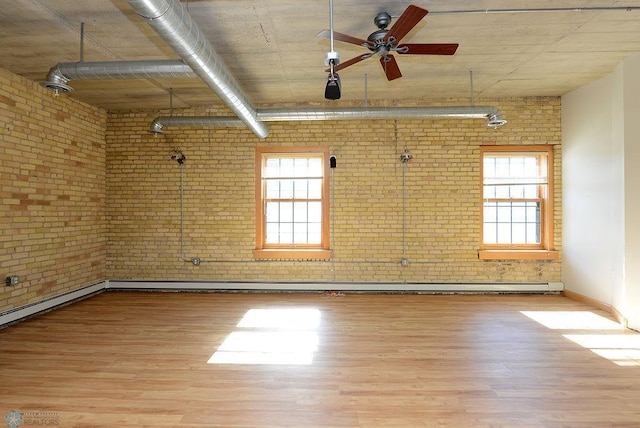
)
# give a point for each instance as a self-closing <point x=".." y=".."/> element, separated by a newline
<point x="14" y="315"/>
<point x="543" y="287"/>
<point x="27" y="311"/>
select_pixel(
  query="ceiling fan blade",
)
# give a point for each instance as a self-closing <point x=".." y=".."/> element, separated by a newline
<point x="427" y="48"/>
<point x="350" y="62"/>
<point x="409" y="18"/>
<point x="390" y="67"/>
<point x="344" y="38"/>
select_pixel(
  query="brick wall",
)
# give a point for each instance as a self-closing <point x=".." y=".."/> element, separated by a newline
<point x="442" y="188"/>
<point x="52" y="188"/>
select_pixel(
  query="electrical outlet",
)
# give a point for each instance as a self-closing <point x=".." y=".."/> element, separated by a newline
<point x="12" y="280"/>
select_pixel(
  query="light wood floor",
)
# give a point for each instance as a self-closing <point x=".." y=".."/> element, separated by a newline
<point x="141" y="359"/>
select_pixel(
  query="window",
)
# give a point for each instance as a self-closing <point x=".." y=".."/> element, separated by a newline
<point x="517" y="202"/>
<point x="292" y="203"/>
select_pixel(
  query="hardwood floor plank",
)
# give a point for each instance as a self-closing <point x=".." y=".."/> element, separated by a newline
<point x="143" y="359"/>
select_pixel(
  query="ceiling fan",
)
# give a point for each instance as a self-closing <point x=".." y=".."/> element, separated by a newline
<point x="384" y="41"/>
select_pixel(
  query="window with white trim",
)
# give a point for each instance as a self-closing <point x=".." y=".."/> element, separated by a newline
<point x="292" y="203"/>
<point x="517" y="201"/>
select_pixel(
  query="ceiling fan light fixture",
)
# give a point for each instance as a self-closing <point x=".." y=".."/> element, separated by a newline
<point x="332" y="90"/>
<point x="496" y="121"/>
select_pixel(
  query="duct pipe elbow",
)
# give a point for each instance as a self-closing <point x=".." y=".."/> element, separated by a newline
<point x="496" y="120"/>
<point x="56" y="81"/>
<point x="156" y="127"/>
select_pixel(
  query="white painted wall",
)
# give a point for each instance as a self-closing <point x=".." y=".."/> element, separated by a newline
<point x="601" y="163"/>
<point x="630" y="70"/>
<point x="591" y="209"/>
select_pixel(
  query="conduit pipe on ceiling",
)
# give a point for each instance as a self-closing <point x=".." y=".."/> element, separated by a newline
<point x="491" y="114"/>
<point x="60" y="74"/>
<point x="174" y="24"/>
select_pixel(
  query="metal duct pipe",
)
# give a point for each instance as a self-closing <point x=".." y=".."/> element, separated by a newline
<point x="174" y="24"/>
<point x="492" y="114"/>
<point x="157" y="126"/>
<point x="373" y="113"/>
<point x="60" y="74"/>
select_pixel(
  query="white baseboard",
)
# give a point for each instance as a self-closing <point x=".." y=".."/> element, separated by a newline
<point x="23" y="312"/>
<point x="340" y="286"/>
<point x="13" y="315"/>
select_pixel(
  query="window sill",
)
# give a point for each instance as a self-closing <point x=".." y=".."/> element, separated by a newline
<point x="518" y="255"/>
<point x="275" y="254"/>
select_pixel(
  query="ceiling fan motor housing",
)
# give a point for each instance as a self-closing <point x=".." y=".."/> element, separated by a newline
<point x="382" y="20"/>
<point x="377" y="38"/>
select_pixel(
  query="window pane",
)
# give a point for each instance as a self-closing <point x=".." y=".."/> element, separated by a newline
<point x="315" y="212"/>
<point x="518" y="214"/>
<point x="531" y="166"/>
<point x="286" y="234"/>
<point x="271" y="168"/>
<point x="502" y="167"/>
<point x="489" y="167"/>
<point x="279" y="189"/>
<point x="273" y="233"/>
<point x="518" y="233"/>
<point x="273" y="189"/>
<point x="504" y="233"/>
<point x="300" y="212"/>
<point x="301" y="167"/>
<point x="286" y="212"/>
<point x="530" y="191"/>
<point x="279" y="233"/>
<point x="286" y="167"/>
<point x="315" y="233"/>
<point x="502" y="192"/>
<point x="300" y="233"/>
<point x="315" y="167"/>
<point x="516" y="191"/>
<point x="315" y="189"/>
<point x="489" y="192"/>
<point x="504" y="212"/>
<point x="516" y="167"/>
<point x="272" y="212"/>
<point x="533" y="233"/>
<point x="489" y="233"/>
<point x="300" y="189"/>
<point x="286" y="189"/>
<point x="490" y="212"/>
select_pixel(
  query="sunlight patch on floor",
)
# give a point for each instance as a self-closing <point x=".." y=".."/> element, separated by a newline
<point x="572" y="320"/>
<point x="287" y="318"/>
<point x="622" y="349"/>
<point x="272" y="336"/>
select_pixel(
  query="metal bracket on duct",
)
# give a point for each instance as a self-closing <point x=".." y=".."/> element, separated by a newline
<point x="491" y="114"/>
<point x="173" y="23"/>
